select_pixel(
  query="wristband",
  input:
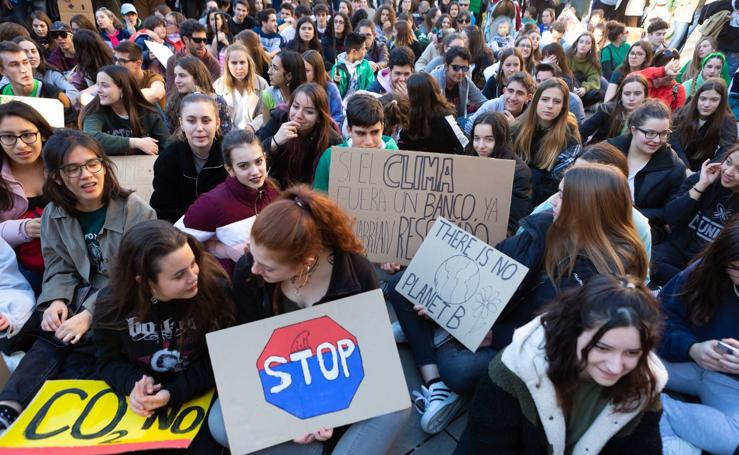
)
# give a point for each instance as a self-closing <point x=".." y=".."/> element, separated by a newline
<point x="697" y="190"/>
<point x="275" y="142"/>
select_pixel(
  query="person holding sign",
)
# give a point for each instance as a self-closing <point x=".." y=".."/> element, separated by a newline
<point x="491" y="138"/>
<point x="294" y="140"/>
<point x="81" y="230"/>
<point x="150" y="323"/>
<point x="432" y="126"/>
<point x="589" y="231"/>
<point x="23" y="131"/>
<point x="246" y="192"/>
<point x="581" y="378"/>
<point x="303" y="252"/>
<point x="120" y="118"/>
<point x="547" y="137"/>
<point x="191" y="165"/>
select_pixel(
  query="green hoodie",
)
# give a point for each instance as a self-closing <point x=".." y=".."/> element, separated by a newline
<point x="320" y="180"/>
<point x="692" y="85"/>
<point x="589" y="73"/>
<point x="364" y="74"/>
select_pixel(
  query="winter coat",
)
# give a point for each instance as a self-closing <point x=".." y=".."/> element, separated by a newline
<point x="66" y="257"/>
<point x="445" y="136"/>
<point x="656" y="183"/>
<point x="177" y="184"/>
<point x="245" y="108"/>
<point x="469" y="94"/>
<point x="13" y="229"/>
<point x="17" y="300"/>
<point x="670" y="92"/>
<point x="363" y="73"/>
<point x="515" y="408"/>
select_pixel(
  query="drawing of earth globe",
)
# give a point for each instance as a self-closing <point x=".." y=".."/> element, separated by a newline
<point x="456" y="280"/>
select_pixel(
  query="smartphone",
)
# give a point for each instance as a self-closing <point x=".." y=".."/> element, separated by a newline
<point x="724" y="348"/>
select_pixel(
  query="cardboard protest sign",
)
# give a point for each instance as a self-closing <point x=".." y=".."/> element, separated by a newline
<point x="86" y="417"/>
<point x="50" y="109"/>
<point x="160" y="51"/>
<point x="322" y="367"/>
<point x="136" y="172"/>
<point x="69" y="8"/>
<point x="463" y="282"/>
<point x="395" y="196"/>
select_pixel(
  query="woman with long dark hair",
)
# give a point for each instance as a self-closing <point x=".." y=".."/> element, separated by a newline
<point x="609" y="119"/>
<point x="295" y="138"/>
<point x="705" y="128"/>
<point x="40" y="25"/>
<point x="219" y="35"/>
<point x="511" y="61"/>
<point x="286" y="73"/>
<point x="91" y="54"/>
<point x="81" y="230"/>
<point x="431" y="123"/>
<point x="120" y="118"/>
<point x="23" y="132"/>
<point x="700" y="349"/>
<point x="697" y="214"/>
<point x="341" y="26"/>
<point x="555" y="53"/>
<point x="162" y="277"/>
<point x="306" y="38"/>
<point x="582" y="57"/>
<point x="482" y="56"/>
<point x="546" y="137"/>
<point x="581" y="377"/>
<point x="315" y="71"/>
<point x="303" y="252"/>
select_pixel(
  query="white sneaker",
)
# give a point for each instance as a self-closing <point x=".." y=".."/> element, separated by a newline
<point x="438" y="406"/>
<point x="398" y="333"/>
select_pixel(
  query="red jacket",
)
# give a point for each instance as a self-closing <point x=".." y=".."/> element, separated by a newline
<point x="672" y="94"/>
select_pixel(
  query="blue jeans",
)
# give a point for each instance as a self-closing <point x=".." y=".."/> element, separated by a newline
<point x="713" y="424"/>
<point x="460" y="368"/>
<point x="368" y="437"/>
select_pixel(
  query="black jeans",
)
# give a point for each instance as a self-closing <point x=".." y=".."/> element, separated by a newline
<point x="667" y="261"/>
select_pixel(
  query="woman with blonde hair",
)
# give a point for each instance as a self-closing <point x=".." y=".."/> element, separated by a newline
<point x="547" y="137"/>
<point x="241" y="87"/>
<point x="110" y="27"/>
<point x="251" y="42"/>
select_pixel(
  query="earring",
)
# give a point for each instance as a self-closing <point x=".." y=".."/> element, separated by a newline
<point x="154" y="300"/>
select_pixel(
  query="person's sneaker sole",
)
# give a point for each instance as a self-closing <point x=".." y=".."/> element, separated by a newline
<point x="441" y="418"/>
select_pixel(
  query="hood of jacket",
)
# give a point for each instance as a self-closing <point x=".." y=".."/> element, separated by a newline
<point x="526" y="358"/>
<point x="383" y="78"/>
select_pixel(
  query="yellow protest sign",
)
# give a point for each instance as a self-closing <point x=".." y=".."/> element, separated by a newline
<point x="87" y="417"/>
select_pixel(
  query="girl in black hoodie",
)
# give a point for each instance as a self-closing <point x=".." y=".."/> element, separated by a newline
<point x="150" y="324"/>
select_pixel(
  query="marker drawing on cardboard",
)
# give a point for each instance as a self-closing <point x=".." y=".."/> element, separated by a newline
<point x="463" y="282"/>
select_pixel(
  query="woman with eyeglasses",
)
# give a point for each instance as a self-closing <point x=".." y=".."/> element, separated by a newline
<point x="661" y="78"/>
<point x="341" y="26"/>
<point x="700" y="349"/>
<point x="638" y="58"/>
<point x="172" y="21"/>
<point x="81" y="230"/>
<point x="655" y="170"/>
<point x="523" y="42"/>
<point x="120" y="118"/>
<point x="23" y="131"/>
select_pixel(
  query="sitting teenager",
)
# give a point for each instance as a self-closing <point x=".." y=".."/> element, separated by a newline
<point x="352" y="71"/>
<point x="546" y="71"/>
<point x="161" y="274"/>
<point x="16" y="67"/>
<point x="151" y="83"/>
<point x="82" y="227"/>
<point x="638" y="58"/>
<point x="702" y="308"/>
<point x="697" y="214"/>
<point x="245" y="192"/>
<point x="705" y="45"/>
<point x="191" y="76"/>
<point x="295" y="138"/>
<point x="306" y="39"/>
<point x="705" y="127"/>
<point x="560" y="255"/>
<point x="580" y="378"/>
<point x="315" y="71"/>
<point x="511" y="62"/>
<point x="714" y="65"/>
<point x="241" y="87"/>
<point x="120" y="118"/>
<point x="110" y="27"/>
<point x="655" y="170"/>
<point x="286" y="73"/>
<point x="582" y="57"/>
<point x="377" y="51"/>
<point x="516" y="97"/>
<point x="609" y="119"/>
<point x="303" y="252"/>
<point x="491" y="138"/>
<point x="92" y="54"/>
<point x="399" y="69"/>
<point x="546" y="138"/>
<point x="365" y="118"/>
<point x="23" y="132"/>
<point x="431" y="122"/>
<point x="43" y="71"/>
<point x="661" y="78"/>
<point x="554" y="53"/>
<point x="63" y="56"/>
<point x="617" y="49"/>
<point x="192" y="163"/>
<point x="457" y="87"/>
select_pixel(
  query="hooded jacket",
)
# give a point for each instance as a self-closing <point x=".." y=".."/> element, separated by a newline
<point x="671" y="93"/>
<point x="363" y="73"/>
<point x="382" y="83"/>
<point x="515" y="408"/>
<point x="692" y="85"/>
<point x="17" y="300"/>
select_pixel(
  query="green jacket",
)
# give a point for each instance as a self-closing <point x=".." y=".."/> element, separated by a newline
<point x="365" y="76"/>
<point x="589" y="74"/>
<point x="320" y="180"/>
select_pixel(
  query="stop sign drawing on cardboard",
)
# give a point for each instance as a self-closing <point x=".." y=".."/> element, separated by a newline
<point x="311" y="368"/>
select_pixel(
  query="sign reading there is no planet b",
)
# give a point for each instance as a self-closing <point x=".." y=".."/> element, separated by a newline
<point x="463" y="282"/>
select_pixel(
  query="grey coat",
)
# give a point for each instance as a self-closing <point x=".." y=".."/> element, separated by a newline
<point x="67" y="264"/>
<point x="468" y="91"/>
